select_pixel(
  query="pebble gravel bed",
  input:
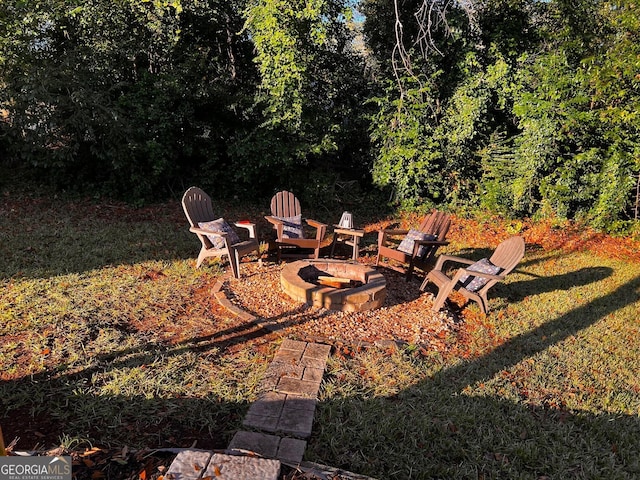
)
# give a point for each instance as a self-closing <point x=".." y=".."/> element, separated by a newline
<point x="404" y="318"/>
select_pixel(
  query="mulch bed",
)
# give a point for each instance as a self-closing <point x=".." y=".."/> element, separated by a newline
<point x="404" y="318"/>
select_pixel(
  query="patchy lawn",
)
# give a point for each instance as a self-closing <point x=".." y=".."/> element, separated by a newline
<point x="110" y="338"/>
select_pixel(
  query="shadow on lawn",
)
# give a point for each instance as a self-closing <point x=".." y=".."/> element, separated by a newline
<point x="436" y="428"/>
<point x="49" y="238"/>
<point x="444" y="431"/>
<point x="53" y="403"/>
<point x="518" y="290"/>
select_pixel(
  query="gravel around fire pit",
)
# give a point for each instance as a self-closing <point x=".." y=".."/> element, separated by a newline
<point x="405" y="316"/>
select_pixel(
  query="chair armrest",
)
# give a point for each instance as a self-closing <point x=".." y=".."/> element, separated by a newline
<point x="203" y="231"/>
<point x="277" y="224"/>
<point x="251" y="227"/>
<point x="431" y="242"/>
<point x="315" y="223"/>
<point x="383" y="234"/>
<point x="273" y="220"/>
<point x="463" y="271"/>
<point x="321" y="228"/>
<point x="348" y="231"/>
<point x="450" y="258"/>
<point x="207" y="233"/>
<point x="394" y="232"/>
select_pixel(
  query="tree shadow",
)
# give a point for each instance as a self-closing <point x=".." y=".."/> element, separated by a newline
<point x="47" y="238"/>
<point x="156" y="420"/>
<point x="521" y="289"/>
<point x="464" y="435"/>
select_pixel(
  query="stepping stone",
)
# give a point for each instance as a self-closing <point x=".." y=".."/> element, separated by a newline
<point x="289" y="344"/>
<point x="313" y="374"/>
<point x="298" y="387"/>
<point x="297" y="402"/>
<point x="232" y="467"/>
<point x="268" y="405"/>
<point x="291" y="450"/>
<point x="295" y="422"/>
<point x="277" y="370"/>
<point x="260" y="422"/>
<point x="317" y="350"/>
<point x="288" y="356"/>
<point x="189" y="465"/>
<point x="315" y="355"/>
<point x="291" y="386"/>
<point x="260" y="443"/>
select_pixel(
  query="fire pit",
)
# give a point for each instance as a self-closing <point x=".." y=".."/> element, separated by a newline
<point x="334" y="285"/>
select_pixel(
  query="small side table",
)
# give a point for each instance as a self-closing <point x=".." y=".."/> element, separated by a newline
<point x="348" y="236"/>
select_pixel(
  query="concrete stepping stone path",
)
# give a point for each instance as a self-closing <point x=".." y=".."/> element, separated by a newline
<point x="279" y="422"/>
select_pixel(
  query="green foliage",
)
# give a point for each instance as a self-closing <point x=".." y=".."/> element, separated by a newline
<point x="534" y="111"/>
<point x="120" y="95"/>
<point x="576" y="153"/>
<point x="311" y="95"/>
<point x="408" y="158"/>
<point x="285" y="34"/>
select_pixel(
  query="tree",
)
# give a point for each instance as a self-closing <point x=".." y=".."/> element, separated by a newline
<point x="310" y="98"/>
<point x="121" y="95"/>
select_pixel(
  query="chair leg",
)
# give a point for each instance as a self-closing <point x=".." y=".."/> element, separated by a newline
<point x="483" y="303"/>
<point x="333" y="245"/>
<point x="443" y="293"/>
<point x="409" y="271"/>
<point x="201" y="257"/>
<point x="234" y="260"/>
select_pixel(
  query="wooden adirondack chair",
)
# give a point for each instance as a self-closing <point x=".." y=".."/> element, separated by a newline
<point x="475" y="280"/>
<point x="418" y="247"/>
<point x="216" y="236"/>
<point x="287" y="221"/>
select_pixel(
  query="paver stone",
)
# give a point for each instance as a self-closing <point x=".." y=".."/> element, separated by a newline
<point x="232" y="467"/>
<point x="260" y="443"/>
<point x="189" y="464"/>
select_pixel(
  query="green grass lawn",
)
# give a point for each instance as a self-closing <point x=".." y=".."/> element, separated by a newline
<point x="108" y="337"/>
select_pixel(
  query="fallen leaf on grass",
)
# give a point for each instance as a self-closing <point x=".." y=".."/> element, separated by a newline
<point x="92" y="451"/>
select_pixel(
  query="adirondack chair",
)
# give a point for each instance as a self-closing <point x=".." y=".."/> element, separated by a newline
<point x="418" y="248"/>
<point x="475" y="280"/>
<point x="287" y="221"/>
<point x="216" y="236"/>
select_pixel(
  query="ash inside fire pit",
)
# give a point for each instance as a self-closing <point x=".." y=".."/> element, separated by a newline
<point x="359" y="287"/>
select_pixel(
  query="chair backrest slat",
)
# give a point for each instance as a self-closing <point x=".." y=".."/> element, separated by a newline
<point x="508" y="254"/>
<point x="285" y="204"/>
<point x="437" y="223"/>
<point x="197" y="206"/>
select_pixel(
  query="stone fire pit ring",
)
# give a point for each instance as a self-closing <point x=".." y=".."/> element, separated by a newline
<point x="298" y="281"/>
